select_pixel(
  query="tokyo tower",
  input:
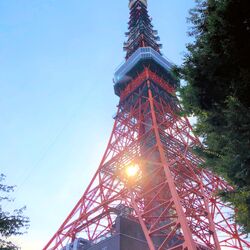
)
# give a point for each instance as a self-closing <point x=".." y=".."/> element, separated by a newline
<point x="149" y="191"/>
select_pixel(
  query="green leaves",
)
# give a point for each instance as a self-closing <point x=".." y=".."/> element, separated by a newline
<point x="11" y="224"/>
<point x="240" y="197"/>
<point x="217" y="74"/>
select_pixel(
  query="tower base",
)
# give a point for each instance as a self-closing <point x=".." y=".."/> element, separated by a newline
<point x="127" y="235"/>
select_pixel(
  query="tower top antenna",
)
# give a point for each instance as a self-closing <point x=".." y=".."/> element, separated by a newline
<point x="131" y="2"/>
<point x="140" y="31"/>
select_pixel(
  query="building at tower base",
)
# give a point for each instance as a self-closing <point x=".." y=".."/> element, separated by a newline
<point x="127" y="235"/>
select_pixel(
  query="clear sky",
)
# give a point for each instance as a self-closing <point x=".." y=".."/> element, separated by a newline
<point x="57" y="59"/>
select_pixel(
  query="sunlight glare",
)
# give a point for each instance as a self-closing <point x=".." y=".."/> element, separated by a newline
<point x="132" y="170"/>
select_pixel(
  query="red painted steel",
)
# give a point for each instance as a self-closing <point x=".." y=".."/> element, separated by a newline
<point x="175" y="201"/>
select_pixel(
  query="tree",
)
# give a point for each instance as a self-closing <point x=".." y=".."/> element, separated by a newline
<point x="216" y="70"/>
<point x="11" y="224"/>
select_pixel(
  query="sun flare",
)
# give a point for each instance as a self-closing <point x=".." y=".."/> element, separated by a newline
<point x="132" y="170"/>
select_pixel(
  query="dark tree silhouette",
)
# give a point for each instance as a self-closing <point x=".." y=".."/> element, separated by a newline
<point x="11" y="223"/>
<point x="217" y="74"/>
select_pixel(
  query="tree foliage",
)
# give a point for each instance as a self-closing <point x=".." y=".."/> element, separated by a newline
<point x="217" y="91"/>
<point x="11" y="224"/>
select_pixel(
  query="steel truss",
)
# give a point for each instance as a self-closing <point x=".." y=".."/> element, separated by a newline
<point x="175" y="201"/>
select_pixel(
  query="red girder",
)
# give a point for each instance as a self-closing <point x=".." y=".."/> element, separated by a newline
<point x="172" y="197"/>
<point x="141" y="78"/>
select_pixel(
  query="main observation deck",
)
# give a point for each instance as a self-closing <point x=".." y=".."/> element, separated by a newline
<point x="141" y="58"/>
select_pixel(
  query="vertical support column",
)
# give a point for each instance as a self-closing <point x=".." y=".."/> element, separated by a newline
<point x="189" y="242"/>
<point x="142" y="223"/>
<point x="211" y="221"/>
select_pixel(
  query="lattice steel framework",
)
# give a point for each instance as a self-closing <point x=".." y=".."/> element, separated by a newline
<point x="172" y="197"/>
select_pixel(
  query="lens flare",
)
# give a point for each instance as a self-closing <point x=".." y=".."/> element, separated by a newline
<point x="132" y="171"/>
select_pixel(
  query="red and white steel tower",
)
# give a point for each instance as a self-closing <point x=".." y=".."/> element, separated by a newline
<point x="149" y="173"/>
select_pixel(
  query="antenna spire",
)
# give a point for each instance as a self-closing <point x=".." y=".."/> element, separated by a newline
<point x="140" y="31"/>
<point x="131" y="2"/>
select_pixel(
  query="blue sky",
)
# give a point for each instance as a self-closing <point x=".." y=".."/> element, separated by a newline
<point x="57" y="59"/>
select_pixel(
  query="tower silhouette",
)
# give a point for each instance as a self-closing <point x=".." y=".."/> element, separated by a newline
<point x="149" y="191"/>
